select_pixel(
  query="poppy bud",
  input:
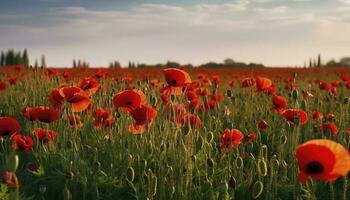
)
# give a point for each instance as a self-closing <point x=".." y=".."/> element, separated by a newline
<point x="232" y="182"/>
<point x="210" y="136"/>
<point x="42" y="188"/>
<point x="167" y="170"/>
<point x="97" y="165"/>
<point x="12" y="162"/>
<point x="258" y="188"/>
<point x="304" y="105"/>
<point x="69" y="175"/>
<point x="193" y="158"/>
<point x="295" y="94"/>
<point x="10" y="179"/>
<point x="283" y="139"/>
<point x="154" y="100"/>
<point x="229" y="93"/>
<point x="295" y="74"/>
<point x="239" y="162"/>
<point x="130" y="174"/>
<point x="210" y="162"/>
<point x="262" y="167"/>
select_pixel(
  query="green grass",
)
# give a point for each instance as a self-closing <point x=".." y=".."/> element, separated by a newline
<point x="168" y="161"/>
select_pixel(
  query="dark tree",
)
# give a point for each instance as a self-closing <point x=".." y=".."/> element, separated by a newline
<point x="25" y="58"/>
<point x="10" y="58"/>
<point x="43" y="61"/>
<point x="2" y="59"/>
<point x="36" y="65"/>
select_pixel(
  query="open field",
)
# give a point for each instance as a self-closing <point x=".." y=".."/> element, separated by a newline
<point x="223" y="133"/>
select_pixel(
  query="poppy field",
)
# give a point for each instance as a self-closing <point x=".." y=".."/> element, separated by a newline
<point x="175" y="133"/>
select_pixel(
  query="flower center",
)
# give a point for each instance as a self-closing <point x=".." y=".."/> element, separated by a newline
<point x="314" y="167"/>
<point x="128" y="103"/>
<point x="7" y="132"/>
<point x="173" y="82"/>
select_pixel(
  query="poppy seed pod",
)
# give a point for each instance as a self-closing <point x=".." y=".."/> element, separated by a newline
<point x="229" y="93"/>
<point x="69" y="175"/>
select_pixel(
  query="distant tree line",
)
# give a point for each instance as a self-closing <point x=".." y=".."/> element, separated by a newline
<point x="12" y="57"/>
<point x="230" y="63"/>
<point x="317" y="62"/>
<point x="80" y="64"/>
<point x="343" y="62"/>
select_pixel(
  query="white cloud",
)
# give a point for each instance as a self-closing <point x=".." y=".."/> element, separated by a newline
<point x="273" y="10"/>
<point x="344" y="1"/>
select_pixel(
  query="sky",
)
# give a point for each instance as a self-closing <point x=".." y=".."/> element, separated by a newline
<point x="272" y="32"/>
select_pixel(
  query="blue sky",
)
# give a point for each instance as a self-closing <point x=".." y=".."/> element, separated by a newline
<point x="273" y="32"/>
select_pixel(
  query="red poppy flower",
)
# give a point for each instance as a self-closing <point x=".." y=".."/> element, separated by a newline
<point x="143" y="114"/>
<point x="263" y="124"/>
<point x="211" y="104"/>
<point x="271" y="90"/>
<point x="13" y="79"/>
<point x="43" y="114"/>
<point x="329" y="127"/>
<point x="66" y="75"/>
<point x="9" y="126"/>
<point x="176" y="77"/>
<point x="247" y="82"/>
<point x="263" y="83"/>
<point x="2" y="85"/>
<point x="324" y="86"/>
<point x="128" y="80"/>
<point x="129" y="99"/>
<point x="164" y="96"/>
<point x="89" y="85"/>
<point x="103" y="119"/>
<point x="217" y="97"/>
<point x="317" y="115"/>
<point x="295" y="116"/>
<point x="231" y="83"/>
<point x="29" y="113"/>
<point x="10" y="179"/>
<point x="101" y="73"/>
<point x="347" y="131"/>
<point x="330" y="116"/>
<point x="231" y="138"/>
<point x="215" y="79"/>
<point x="75" y="120"/>
<point x="191" y="95"/>
<point x="77" y="97"/>
<point x="196" y="103"/>
<point x="56" y="99"/>
<point x="52" y="72"/>
<point x="307" y="95"/>
<point x="249" y="138"/>
<point x="322" y="159"/>
<point x="279" y="103"/>
<point x="204" y="91"/>
<point x="22" y="143"/>
<point x="190" y="120"/>
<point x="347" y="84"/>
<point x="333" y="91"/>
<point x="44" y="135"/>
